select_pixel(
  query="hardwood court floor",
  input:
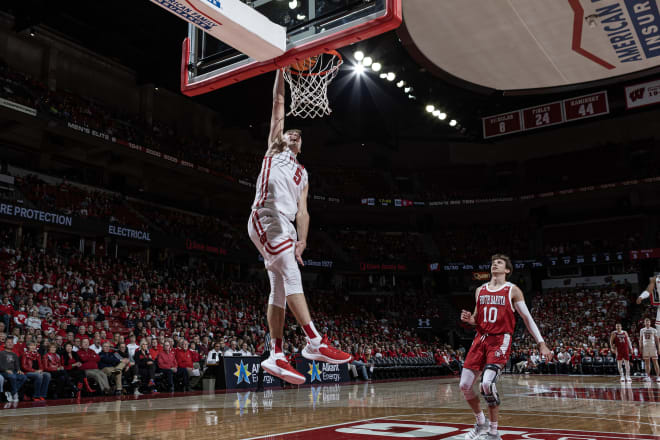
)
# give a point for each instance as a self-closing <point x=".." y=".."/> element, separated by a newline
<point x="599" y="404"/>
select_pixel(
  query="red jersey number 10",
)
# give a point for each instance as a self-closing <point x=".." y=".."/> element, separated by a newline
<point x="490" y="314"/>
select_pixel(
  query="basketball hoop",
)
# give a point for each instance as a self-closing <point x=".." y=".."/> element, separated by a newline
<point x="308" y="81"/>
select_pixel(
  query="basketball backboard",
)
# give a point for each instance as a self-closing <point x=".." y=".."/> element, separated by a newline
<point x="313" y="26"/>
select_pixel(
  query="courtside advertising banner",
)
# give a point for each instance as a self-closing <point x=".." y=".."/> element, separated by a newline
<point x="643" y="94"/>
<point x="243" y="371"/>
<point x="322" y="372"/>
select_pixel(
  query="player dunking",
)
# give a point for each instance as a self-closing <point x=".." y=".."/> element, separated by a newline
<point x="621" y="346"/>
<point x="281" y="198"/>
<point x="494" y="321"/>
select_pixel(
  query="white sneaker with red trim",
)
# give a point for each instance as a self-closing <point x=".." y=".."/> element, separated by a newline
<point x="278" y="366"/>
<point x="325" y="352"/>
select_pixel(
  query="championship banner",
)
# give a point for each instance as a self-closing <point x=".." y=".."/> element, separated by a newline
<point x="544" y="115"/>
<point x="322" y="372"/>
<point x="242" y="372"/>
<point x="640" y="95"/>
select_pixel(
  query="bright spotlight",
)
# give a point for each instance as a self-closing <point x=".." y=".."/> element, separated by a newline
<point x="391" y="76"/>
<point x="430" y="108"/>
<point x="376" y="67"/>
<point x="401" y="84"/>
<point x="383" y="75"/>
<point x="293" y="4"/>
<point x="407" y="89"/>
<point x="436" y="112"/>
<point x="367" y="61"/>
<point x="359" y="55"/>
<point x="359" y="69"/>
<point x="300" y="17"/>
<point x="453" y="123"/>
<point x="442" y="116"/>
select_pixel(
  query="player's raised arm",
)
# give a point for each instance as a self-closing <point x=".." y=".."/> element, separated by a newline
<point x="520" y="306"/>
<point x="470" y="318"/>
<point x="647" y="293"/>
<point x="302" y="225"/>
<point x="277" y="117"/>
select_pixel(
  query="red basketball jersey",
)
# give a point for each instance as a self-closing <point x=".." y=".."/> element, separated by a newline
<point x="621" y="341"/>
<point x="495" y="310"/>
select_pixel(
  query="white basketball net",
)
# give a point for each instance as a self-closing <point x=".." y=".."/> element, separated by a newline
<point x="309" y="88"/>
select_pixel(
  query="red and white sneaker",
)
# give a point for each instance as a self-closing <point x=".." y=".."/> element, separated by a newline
<point x="325" y="352"/>
<point x="278" y="366"/>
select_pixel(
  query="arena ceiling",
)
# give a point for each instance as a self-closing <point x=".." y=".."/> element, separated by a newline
<point x="472" y="57"/>
<point x="535" y="44"/>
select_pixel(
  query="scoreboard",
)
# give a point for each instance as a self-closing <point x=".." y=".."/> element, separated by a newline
<point x="544" y="115"/>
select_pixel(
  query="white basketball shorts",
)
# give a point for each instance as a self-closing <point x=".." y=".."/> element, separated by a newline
<point x="275" y="238"/>
<point x="649" y="351"/>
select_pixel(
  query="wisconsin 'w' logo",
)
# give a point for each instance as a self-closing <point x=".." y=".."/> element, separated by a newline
<point x="637" y="94"/>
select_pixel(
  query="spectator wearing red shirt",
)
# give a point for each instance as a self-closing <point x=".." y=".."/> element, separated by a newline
<point x="167" y="365"/>
<point x="20" y="316"/>
<point x="6" y="311"/>
<point x="33" y="368"/>
<point x="184" y="357"/>
<point x="90" y="365"/>
<point x="52" y="363"/>
<point x="155" y="349"/>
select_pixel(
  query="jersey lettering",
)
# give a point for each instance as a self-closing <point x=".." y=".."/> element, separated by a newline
<point x="494" y="311"/>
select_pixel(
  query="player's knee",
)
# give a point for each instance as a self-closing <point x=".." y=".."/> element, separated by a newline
<point x="488" y="388"/>
<point x="293" y="284"/>
<point x="277" y="298"/>
<point x="466" y="389"/>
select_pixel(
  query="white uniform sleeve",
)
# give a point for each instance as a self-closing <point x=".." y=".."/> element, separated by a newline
<point x="521" y="307"/>
<point x="644" y="295"/>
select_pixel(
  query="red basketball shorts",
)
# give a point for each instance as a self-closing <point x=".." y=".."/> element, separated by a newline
<point x="622" y="355"/>
<point x="488" y="349"/>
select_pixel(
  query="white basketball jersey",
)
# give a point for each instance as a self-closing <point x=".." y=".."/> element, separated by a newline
<point x="280" y="184"/>
<point x="647" y="335"/>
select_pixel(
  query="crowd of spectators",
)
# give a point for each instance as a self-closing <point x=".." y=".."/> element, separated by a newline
<point x="456" y="242"/>
<point x="475" y="242"/>
<point x="437" y="184"/>
<point x="73" y="200"/>
<point x="577" y="323"/>
<point x="87" y="317"/>
<point x="381" y="247"/>
<point x="95" y="115"/>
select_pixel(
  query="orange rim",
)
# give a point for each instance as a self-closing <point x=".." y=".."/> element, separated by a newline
<point x="325" y="72"/>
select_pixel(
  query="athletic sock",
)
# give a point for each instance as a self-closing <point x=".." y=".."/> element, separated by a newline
<point x="311" y="333"/>
<point x="481" y="418"/>
<point x="277" y="345"/>
<point x="493" y="428"/>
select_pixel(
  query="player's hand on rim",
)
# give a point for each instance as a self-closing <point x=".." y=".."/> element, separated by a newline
<point x="300" y="248"/>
